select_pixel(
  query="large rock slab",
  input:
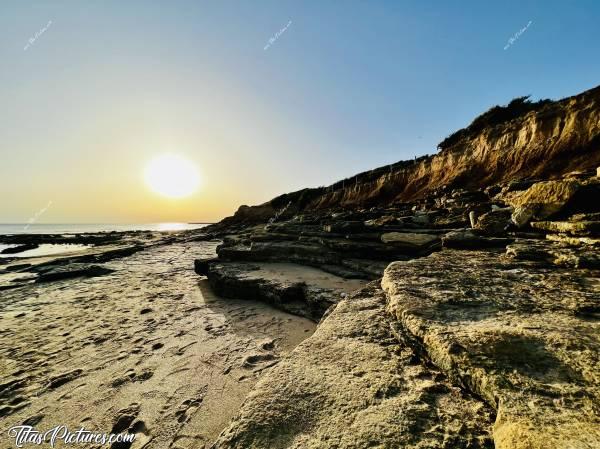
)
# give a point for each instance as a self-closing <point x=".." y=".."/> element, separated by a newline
<point x="74" y="270"/>
<point x="569" y="227"/>
<point x="289" y="251"/>
<point x="337" y="252"/>
<point x="494" y="222"/>
<point x="556" y="253"/>
<point x="409" y="240"/>
<point x="523" y="337"/>
<point x="19" y="248"/>
<point x="468" y="239"/>
<point x="352" y="385"/>
<point x="417" y="244"/>
<point x="297" y="289"/>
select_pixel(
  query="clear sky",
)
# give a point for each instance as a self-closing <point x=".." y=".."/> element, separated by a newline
<point x="346" y="86"/>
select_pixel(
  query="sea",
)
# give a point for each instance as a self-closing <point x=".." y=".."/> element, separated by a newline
<point x="66" y="228"/>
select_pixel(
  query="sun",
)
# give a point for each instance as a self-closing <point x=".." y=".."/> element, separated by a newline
<point x="171" y="176"/>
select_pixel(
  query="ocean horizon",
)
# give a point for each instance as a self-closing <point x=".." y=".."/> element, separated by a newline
<point x="78" y="228"/>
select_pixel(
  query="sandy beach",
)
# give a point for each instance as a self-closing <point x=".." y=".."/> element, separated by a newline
<point x="147" y="348"/>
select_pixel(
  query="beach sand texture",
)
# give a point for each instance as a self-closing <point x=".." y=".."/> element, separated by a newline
<point x="147" y="348"/>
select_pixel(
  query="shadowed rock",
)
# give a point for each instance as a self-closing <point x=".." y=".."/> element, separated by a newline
<point x="297" y="289"/>
<point x="541" y="200"/>
<point x="72" y="271"/>
<point x="19" y="248"/>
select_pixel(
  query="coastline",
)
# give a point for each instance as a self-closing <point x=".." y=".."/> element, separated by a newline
<point x="257" y="314"/>
<point x="450" y="301"/>
<point x="403" y="239"/>
<point x="488" y="298"/>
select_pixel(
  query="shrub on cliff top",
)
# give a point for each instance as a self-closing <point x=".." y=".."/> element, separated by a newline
<point x="494" y="116"/>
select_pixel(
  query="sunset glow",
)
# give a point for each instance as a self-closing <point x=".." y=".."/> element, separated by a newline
<point x="171" y="176"/>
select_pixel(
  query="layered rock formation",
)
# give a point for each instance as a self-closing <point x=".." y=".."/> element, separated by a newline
<point x="484" y="330"/>
<point x="563" y="136"/>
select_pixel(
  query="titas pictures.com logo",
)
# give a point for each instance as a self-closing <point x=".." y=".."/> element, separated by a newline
<point x="22" y="435"/>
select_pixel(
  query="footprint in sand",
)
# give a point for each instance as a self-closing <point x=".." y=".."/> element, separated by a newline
<point x="127" y="421"/>
<point x="267" y="344"/>
<point x="132" y="376"/>
<point x="187" y="408"/>
<point x="253" y="360"/>
<point x="64" y="378"/>
<point x="33" y="420"/>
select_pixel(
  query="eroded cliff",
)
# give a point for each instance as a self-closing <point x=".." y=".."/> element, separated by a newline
<point x="560" y="137"/>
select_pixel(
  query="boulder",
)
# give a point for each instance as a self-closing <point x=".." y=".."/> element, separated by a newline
<point x="494" y="222"/>
<point x="541" y="200"/>
<point x="522" y="215"/>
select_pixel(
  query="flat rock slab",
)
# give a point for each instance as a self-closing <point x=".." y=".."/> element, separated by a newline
<point x="19" y="248"/>
<point x="410" y="240"/>
<point x="352" y="385"/>
<point x="468" y="239"/>
<point x="556" y="253"/>
<point x="569" y="227"/>
<point x="298" y="289"/>
<point x="524" y="337"/>
<point x="72" y="271"/>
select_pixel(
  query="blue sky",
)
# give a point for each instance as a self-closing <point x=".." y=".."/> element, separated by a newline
<point x="347" y="86"/>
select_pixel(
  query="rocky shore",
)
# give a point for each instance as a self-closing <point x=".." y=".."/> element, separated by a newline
<point x="490" y="297"/>
<point x="80" y="255"/>
<point x="452" y="301"/>
<point x="477" y="323"/>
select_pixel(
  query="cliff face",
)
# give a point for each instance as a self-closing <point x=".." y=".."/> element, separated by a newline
<point x="562" y="136"/>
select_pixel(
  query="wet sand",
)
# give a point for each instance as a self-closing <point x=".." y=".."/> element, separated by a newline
<point x="147" y="348"/>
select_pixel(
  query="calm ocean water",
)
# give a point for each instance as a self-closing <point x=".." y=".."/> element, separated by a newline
<point x="36" y="228"/>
